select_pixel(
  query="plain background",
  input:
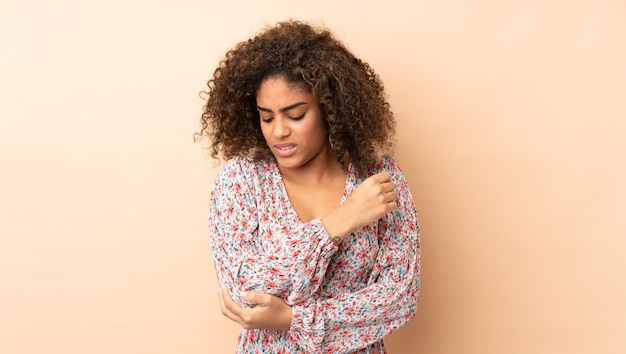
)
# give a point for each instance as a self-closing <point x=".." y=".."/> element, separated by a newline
<point x="511" y="133"/>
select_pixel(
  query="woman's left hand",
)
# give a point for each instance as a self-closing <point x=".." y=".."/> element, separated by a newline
<point x="269" y="312"/>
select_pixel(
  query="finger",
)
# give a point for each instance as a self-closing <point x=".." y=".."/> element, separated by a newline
<point x="249" y="296"/>
<point x="243" y="295"/>
<point x="258" y="298"/>
<point x="226" y="302"/>
<point x="388" y="186"/>
<point x="225" y="297"/>
<point x="383" y="176"/>
<point x="233" y="308"/>
<point x="392" y="194"/>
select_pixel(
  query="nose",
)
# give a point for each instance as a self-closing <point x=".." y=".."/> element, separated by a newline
<point x="281" y="128"/>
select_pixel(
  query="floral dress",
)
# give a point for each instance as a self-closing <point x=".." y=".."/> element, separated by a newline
<point x="345" y="298"/>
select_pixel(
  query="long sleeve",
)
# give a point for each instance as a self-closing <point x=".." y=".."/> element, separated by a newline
<point x="250" y="250"/>
<point x="351" y="320"/>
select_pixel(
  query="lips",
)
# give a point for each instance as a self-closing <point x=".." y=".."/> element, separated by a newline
<point x="284" y="150"/>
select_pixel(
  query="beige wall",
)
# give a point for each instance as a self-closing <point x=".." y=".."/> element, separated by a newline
<point x="512" y="126"/>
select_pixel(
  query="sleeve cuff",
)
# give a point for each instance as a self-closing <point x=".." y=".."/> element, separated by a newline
<point x="297" y="317"/>
<point x="327" y="247"/>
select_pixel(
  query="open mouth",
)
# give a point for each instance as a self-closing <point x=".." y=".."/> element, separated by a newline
<point x="285" y="150"/>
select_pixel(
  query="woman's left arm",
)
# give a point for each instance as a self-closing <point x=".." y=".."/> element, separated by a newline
<point x="355" y="320"/>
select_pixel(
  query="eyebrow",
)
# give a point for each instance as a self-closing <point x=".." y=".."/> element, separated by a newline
<point x="282" y="109"/>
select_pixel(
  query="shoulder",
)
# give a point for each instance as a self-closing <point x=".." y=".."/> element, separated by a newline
<point x="244" y="164"/>
<point x="237" y="163"/>
<point x="384" y="163"/>
<point x="406" y="207"/>
<point x="387" y="163"/>
<point x="243" y="169"/>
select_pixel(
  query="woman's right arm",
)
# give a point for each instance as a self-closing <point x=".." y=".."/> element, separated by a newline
<point x="291" y="266"/>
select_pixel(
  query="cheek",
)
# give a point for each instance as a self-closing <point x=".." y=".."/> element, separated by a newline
<point x="265" y="131"/>
<point x="322" y="131"/>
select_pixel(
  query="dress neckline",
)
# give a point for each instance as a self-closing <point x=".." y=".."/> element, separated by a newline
<point x="278" y="178"/>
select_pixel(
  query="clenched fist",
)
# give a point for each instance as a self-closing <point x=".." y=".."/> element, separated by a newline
<point x="369" y="201"/>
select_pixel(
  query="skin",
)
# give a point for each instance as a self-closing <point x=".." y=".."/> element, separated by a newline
<point x="296" y="132"/>
<point x="294" y="129"/>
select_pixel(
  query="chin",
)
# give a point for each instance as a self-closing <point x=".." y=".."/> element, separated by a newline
<point x="289" y="162"/>
<point x="288" y="165"/>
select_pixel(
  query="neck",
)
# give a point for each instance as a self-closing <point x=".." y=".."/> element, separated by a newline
<point x="322" y="169"/>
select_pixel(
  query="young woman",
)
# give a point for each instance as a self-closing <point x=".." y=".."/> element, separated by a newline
<point x="312" y="224"/>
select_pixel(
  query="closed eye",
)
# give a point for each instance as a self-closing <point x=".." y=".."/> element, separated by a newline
<point x="298" y="117"/>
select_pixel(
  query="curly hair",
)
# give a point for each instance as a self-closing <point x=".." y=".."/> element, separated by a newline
<point x="351" y="95"/>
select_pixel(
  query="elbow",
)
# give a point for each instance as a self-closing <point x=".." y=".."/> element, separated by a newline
<point x="412" y="311"/>
<point x="408" y="302"/>
<point x="413" y="299"/>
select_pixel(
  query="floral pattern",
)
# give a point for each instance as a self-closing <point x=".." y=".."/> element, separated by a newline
<point x="346" y="297"/>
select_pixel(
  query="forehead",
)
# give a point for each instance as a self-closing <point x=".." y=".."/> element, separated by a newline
<point x="277" y="90"/>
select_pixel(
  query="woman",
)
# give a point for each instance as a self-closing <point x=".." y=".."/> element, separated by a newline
<point x="313" y="229"/>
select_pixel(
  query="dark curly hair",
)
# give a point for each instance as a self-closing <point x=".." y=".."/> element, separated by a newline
<point x="350" y="94"/>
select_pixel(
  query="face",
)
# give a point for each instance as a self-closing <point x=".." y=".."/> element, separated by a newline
<point x="292" y="123"/>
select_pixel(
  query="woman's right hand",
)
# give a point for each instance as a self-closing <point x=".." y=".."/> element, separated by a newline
<point x="369" y="201"/>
